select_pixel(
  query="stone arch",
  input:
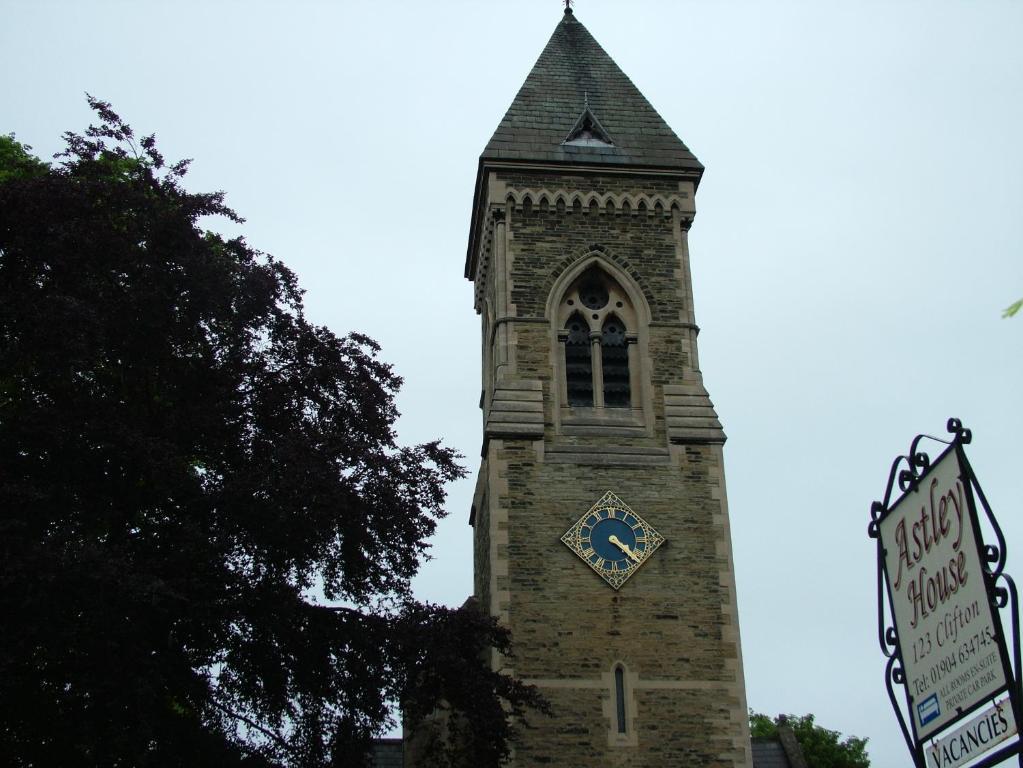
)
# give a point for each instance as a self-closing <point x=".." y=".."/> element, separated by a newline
<point x="618" y="267"/>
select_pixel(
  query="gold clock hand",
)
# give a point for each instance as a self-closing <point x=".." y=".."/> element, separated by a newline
<point x="624" y="548"/>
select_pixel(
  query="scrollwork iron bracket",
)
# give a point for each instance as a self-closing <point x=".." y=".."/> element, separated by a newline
<point x="903" y="477"/>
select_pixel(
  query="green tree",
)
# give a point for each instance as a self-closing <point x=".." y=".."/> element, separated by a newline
<point x="17" y="161"/>
<point x="1013" y="308"/>
<point x="185" y="464"/>
<point x="821" y="747"/>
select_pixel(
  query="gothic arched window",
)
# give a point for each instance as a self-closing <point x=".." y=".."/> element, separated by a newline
<point x="596" y="342"/>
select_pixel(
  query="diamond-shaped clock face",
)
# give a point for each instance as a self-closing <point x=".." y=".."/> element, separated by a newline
<point x="612" y="539"/>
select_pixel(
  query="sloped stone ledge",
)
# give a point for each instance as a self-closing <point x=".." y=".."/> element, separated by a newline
<point x="689" y="414"/>
<point x="516" y="409"/>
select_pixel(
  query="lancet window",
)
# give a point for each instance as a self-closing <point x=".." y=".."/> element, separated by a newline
<point x="578" y="362"/>
<point x="620" y="697"/>
<point x="614" y="361"/>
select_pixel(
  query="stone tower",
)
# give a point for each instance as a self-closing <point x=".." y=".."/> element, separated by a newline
<point x="601" y="533"/>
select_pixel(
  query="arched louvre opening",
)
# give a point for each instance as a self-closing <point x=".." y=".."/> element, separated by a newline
<point x="578" y="362"/>
<point x="614" y="354"/>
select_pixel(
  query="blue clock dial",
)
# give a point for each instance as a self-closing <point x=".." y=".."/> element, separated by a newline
<point x="612" y="539"/>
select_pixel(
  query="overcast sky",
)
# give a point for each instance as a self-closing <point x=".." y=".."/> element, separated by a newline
<point x="858" y="233"/>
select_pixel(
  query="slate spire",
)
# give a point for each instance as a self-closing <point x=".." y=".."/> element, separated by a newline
<point x="575" y="76"/>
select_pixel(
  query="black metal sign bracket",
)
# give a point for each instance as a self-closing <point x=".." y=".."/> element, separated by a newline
<point x="905" y="474"/>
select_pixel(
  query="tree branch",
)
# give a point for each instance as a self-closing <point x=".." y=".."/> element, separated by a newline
<point x="253" y="724"/>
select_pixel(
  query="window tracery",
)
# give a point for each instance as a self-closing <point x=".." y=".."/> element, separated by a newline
<point x="598" y="325"/>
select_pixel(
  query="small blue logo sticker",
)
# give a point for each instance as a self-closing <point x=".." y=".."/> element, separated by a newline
<point x="928" y="709"/>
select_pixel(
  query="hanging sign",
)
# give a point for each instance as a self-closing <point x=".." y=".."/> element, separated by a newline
<point x="982" y="733"/>
<point x="939" y="588"/>
<point x="952" y="649"/>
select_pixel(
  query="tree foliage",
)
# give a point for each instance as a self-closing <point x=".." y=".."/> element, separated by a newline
<point x="1013" y="309"/>
<point x="17" y="161"/>
<point x="186" y="464"/>
<point x="821" y="747"/>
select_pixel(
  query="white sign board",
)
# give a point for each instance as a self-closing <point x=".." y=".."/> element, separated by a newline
<point x="947" y="631"/>
<point x="969" y="742"/>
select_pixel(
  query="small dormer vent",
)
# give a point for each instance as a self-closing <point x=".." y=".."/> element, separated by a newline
<point x="588" y="132"/>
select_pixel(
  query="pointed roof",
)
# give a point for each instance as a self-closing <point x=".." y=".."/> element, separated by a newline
<point x="573" y="76"/>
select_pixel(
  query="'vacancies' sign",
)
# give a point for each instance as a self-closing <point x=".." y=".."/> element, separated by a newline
<point x="949" y="639"/>
<point x="988" y="729"/>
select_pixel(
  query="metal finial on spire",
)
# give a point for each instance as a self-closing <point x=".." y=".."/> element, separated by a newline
<point x="568" y="6"/>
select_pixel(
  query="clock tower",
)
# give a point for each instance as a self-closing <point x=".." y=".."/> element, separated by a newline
<point x="601" y="533"/>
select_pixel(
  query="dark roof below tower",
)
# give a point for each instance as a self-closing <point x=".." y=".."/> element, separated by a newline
<point x="572" y="74"/>
<point x="769" y="754"/>
<point x="388" y="753"/>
